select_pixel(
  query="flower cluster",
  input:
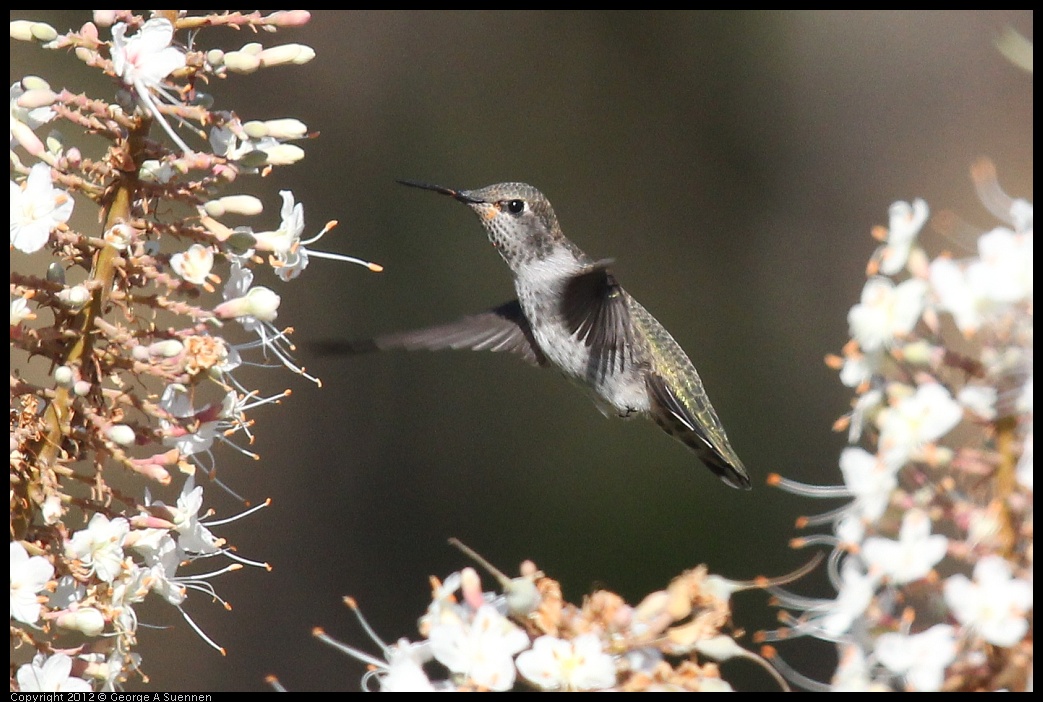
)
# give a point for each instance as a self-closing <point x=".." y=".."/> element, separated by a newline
<point x="932" y="557"/>
<point x="528" y="636"/>
<point x="142" y="349"/>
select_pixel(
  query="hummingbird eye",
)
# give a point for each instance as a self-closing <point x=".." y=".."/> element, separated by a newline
<point x="515" y="206"/>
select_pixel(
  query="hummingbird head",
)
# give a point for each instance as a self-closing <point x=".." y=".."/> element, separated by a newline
<point x="517" y="217"/>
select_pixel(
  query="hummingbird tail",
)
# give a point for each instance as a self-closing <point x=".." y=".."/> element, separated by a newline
<point x="732" y="473"/>
<point x="733" y="476"/>
<point x="699" y="430"/>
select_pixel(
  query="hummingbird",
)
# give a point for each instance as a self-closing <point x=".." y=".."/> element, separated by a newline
<point x="572" y="314"/>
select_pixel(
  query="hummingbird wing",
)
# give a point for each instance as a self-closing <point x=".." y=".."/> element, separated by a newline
<point x="502" y="328"/>
<point x="596" y="312"/>
<point x="699" y="430"/>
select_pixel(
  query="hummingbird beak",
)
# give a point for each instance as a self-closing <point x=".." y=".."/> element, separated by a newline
<point x="460" y="195"/>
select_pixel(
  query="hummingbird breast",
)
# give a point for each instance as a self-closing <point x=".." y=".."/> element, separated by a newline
<point x="621" y="393"/>
<point x="619" y="390"/>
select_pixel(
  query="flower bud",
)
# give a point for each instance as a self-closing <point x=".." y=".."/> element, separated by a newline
<point x="26" y="138"/>
<point x="287" y="53"/>
<point x="284" y="154"/>
<point x="241" y="62"/>
<point x="89" y="31"/>
<point x="55" y="273"/>
<point x="74" y="298"/>
<point x="120" y="434"/>
<point x="168" y="348"/>
<point x="153" y="171"/>
<point x="35" y="83"/>
<point x="63" y="376"/>
<point x="234" y="204"/>
<point x="119" y="236"/>
<point x="289" y="18"/>
<point x="44" y="32"/>
<point x="38" y="97"/>
<point x="278" y="128"/>
<point x="26" y="30"/>
<point x="86" y="620"/>
<point x="104" y="18"/>
<point x="260" y="303"/>
<point x="22" y="30"/>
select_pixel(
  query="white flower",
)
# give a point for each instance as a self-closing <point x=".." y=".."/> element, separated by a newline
<point x="28" y="577"/>
<point x="251" y="306"/>
<point x="860" y="367"/>
<point x="1000" y="276"/>
<point x="927" y="415"/>
<point x="921" y="658"/>
<point x="1021" y="216"/>
<point x="195" y="264"/>
<point x="955" y="294"/>
<point x="912" y="556"/>
<point x="402" y="669"/>
<point x="25" y="119"/>
<point x="995" y="605"/>
<point x="854" y="595"/>
<point x="1003" y="272"/>
<point x="849" y="528"/>
<point x="285" y="242"/>
<point x="579" y="664"/>
<point x="100" y="546"/>
<point x="852" y="674"/>
<point x="405" y="669"/>
<point x="161" y="574"/>
<point x="144" y="61"/>
<point x="886" y="311"/>
<point x="20" y="311"/>
<point x="109" y="670"/>
<point x="36" y="209"/>
<point x="176" y="402"/>
<point x="50" y="674"/>
<point x="869" y="479"/>
<point x="52" y="509"/>
<point x="255" y="309"/>
<point x="905" y="223"/>
<point x="483" y="650"/>
<point x="979" y="399"/>
<point x="147" y="58"/>
<point x="195" y="538"/>
<point x="289" y="253"/>
<point x="865" y="406"/>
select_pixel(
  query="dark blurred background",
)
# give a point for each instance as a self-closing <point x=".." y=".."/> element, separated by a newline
<point x="732" y="164"/>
